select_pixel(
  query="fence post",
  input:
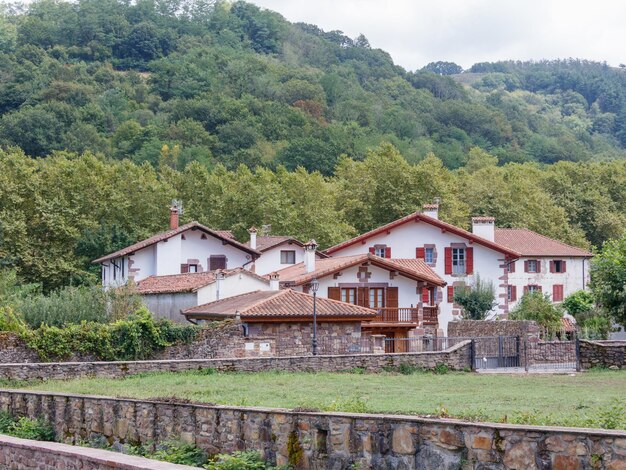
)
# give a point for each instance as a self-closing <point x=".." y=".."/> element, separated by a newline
<point x="578" y="364"/>
<point x="472" y="355"/>
<point x="526" y="353"/>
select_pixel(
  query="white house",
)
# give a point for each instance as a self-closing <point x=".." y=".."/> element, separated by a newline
<point x="401" y="290"/>
<point x="189" y="248"/>
<point x="168" y="296"/>
<point x="545" y="265"/>
<point x="456" y="255"/>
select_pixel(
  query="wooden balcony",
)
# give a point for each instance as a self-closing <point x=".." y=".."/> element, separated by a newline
<point x="409" y="316"/>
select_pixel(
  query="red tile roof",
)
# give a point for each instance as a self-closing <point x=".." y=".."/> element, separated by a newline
<point x="221" y="234"/>
<point x="287" y="304"/>
<point x="529" y="243"/>
<point x="411" y="268"/>
<point x="264" y="243"/>
<point x="189" y="282"/>
<point x="225" y="233"/>
<point x="418" y="216"/>
<point x="568" y="325"/>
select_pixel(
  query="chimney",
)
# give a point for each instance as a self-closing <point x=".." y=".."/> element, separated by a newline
<point x="484" y="227"/>
<point x="274" y="281"/>
<point x="252" y="231"/>
<point x="173" y="218"/>
<point x="309" y="256"/>
<point x="431" y="210"/>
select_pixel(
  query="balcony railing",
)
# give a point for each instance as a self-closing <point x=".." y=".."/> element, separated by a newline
<point x="397" y="315"/>
<point x="429" y="316"/>
<point x="410" y="315"/>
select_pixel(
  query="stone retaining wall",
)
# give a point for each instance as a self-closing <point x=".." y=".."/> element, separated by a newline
<point x="311" y="440"/>
<point x="456" y="358"/>
<point x="23" y="454"/>
<point x="482" y="328"/>
<point x="603" y="354"/>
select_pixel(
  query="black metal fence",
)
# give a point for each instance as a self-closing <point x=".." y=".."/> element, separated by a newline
<point x="421" y="344"/>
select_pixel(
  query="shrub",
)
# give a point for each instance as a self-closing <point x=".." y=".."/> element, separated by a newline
<point x="476" y="300"/>
<point x="248" y="460"/>
<point x="538" y="307"/>
<point x="26" y="428"/>
<point x="594" y="323"/>
<point x="9" y="321"/>
<point x="180" y="453"/>
<point x="578" y="303"/>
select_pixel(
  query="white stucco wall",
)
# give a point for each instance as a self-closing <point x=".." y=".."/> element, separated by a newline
<point x="232" y="285"/>
<point x="194" y="247"/>
<point x="269" y="261"/>
<point x="404" y="240"/>
<point x="575" y="278"/>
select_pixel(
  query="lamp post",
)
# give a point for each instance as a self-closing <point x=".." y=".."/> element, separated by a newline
<point x="314" y="286"/>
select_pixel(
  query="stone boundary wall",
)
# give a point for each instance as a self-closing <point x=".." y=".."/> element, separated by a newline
<point x="312" y="440"/>
<point x="457" y="357"/>
<point x="482" y="328"/>
<point x="610" y="354"/>
<point x="24" y="454"/>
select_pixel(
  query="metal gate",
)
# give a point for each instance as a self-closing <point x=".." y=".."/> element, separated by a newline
<point x="552" y="355"/>
<point x="496" y="352"/>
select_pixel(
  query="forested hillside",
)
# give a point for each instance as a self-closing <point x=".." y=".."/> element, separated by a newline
<point x="230" y="83"/>
<point x="109" y="109"/>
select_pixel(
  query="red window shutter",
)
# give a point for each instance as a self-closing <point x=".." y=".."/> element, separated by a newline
<point x="538" y="265"/>
<point x="450" y="294"/>
<point x="425" y="295"/>
<point x="392" y="297"/>
<point x="525" y="289"/>
<point x="388" y="252"/>
<point x="448" y="260"/>
<point x="184" y="268"/>
<point x="525" y="266"/>
<point x="372" y="250"/>
<point x="420" y="253"/>
<point x="563" y="266"/>
<point x="551" y="266"/>
<point x="513" y="293"/>
<point x="512" y="267"/>
<point x="557" y="293"/>
<point x="469" y="260"/>
<point x="334" y="293"/>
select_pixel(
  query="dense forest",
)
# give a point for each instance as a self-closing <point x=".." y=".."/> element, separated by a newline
<point x="109" y="109"/>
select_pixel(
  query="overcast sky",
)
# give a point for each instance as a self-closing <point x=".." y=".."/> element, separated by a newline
<point x="416" y="32"/>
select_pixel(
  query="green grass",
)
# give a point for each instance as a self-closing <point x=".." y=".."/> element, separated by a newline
<point x="592" y="399"/>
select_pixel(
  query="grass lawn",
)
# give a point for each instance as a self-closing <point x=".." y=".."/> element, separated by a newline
<point x="592" y="399"/>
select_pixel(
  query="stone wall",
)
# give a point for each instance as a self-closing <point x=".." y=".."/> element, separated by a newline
<point x="482" y="328"/>
<point x="610" y="354"/>
<point x="311" y="440"/>
<point x="456" y="358"/>
<point x="13" y="349"/>
<point x="23" y="454"/>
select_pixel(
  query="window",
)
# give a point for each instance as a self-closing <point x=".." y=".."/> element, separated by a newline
<point x="377" y="297"/>
<point x="380" y="251"/>
<point x="217" y="262"/>
<point x="193" y="268"/>
<point x="458" y="260"/>
<point x="532" y="266"/>
<point x="531" y="289"/>
<point x="453" y="291"/>
<point x="287" y="257"/>
<point x="429" y="255"/>
<point x="511" y="293"/>
<point x="511" y="267"/>
<point x="557" y="293"/>
<point x="348" y="294"/>
<point x="558" y="266"/>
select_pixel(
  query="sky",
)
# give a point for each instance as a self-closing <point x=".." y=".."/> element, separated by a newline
<point x="416" y="32"/>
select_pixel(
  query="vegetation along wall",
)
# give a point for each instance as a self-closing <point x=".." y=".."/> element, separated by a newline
<point x="325" y="440"/>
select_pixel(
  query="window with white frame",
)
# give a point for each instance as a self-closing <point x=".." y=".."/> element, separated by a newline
<point x="380" y="251"/>
<point x="192" y="268"/>
<point x="458" y="260"/>
<point x="533" y="288"/>
<point x="532" y="265"/>
<point x="377" y="297"/>
<point x="429" y="255"/>
<point x="348" y="294"/>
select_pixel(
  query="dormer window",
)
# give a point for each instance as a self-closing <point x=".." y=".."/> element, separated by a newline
<point x="287" y="257"/>
<point x="193" y="268"/>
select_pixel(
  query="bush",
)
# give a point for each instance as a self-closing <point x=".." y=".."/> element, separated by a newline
<point x="180" y="453"/>
<point x="593" y="323"/>
<point x="476" y="300"/>
<point x="135" y="338"/>
<point x="249" y="460"/>
<point x="538" y="307"/>
<point x="26" y="428"/>
<point x="77" y="304"/>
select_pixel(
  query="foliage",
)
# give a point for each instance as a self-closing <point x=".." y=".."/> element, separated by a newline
<point x="26" y="428"/>
<point x="608" y="278"/>
<point x="11" y="322"/>
<point x="137" y="337"/>
<point x="476" y="300"/>
<point x="537" y="306"/>
<point x="594" y="323"/>
<point x="179" y="453"/>
<point x="578" y="303"/>
<point x="245" y="460"/>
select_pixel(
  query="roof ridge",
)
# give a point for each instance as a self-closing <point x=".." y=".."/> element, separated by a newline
<point x="278" y="293"/>
<point x="554" y="240"/>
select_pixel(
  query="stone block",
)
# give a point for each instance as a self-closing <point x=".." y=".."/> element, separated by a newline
<point x="521" y="456"/>
<point x="402" y="440"/>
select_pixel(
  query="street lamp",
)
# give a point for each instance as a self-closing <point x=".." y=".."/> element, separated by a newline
<point x="313" y="287"/>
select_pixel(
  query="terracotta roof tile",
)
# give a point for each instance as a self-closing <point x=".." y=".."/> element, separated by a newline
<point x="285" y="303"/>
<point x="568" y="325"/>
<point x="264" y="243"/>
<point x="418" y="216"/>
<point x="221" y="234"/>
<point x="189" y="282"/>
<point x="413" y="268"/>
<point x="529" y="243"/>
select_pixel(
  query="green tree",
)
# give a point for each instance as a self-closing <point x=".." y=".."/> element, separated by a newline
<point x="443" y="68"/>
<point x="608" y="278"/>
<point x="538" y="307"/>
<point x="476" y="300"/>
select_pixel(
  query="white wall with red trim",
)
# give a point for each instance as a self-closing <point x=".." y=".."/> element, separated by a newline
<point x="269" y="261"/>
<point x="403" y="242"/>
